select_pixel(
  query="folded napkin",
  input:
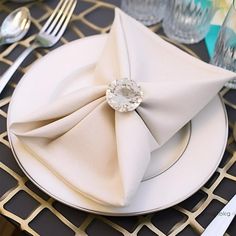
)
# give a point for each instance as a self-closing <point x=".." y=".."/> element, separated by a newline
<point x="102" y="153"/>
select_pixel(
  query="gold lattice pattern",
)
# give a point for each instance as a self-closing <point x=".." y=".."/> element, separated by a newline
<point x="38" y="214"/>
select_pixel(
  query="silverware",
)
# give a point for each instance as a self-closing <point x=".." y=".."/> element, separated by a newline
<point x="15" y="26"/>
<point x="49" y="35"/>
<point x="222" y="221"/>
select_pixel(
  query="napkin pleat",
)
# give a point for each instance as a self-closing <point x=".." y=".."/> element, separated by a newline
<point x="165" y="109"/>
<point x="101" y="164"/>
<point x="62" y="114"/>
<point x="57" y="126"/>
<point x="118" y="62"/>
<point x="132" y="133"/>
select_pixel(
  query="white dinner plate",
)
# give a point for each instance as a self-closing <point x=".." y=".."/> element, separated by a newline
<point x="176" y="171"/>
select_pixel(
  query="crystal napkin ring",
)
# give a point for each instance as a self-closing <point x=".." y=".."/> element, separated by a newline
<point x="124" y="95"/>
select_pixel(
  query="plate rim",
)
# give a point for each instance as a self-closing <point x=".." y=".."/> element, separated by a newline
<point x="109" y="213"/>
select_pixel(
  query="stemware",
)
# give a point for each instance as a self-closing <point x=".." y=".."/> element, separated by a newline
<point x="225" y="49"/>
<point x="188" y="21"/>
<point x="147" y="11"/>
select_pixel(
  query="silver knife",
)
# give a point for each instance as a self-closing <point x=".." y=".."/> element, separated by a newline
<point x="222" y="221"/>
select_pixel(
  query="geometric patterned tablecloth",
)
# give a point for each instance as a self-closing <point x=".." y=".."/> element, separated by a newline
<point x="38" y="214"/>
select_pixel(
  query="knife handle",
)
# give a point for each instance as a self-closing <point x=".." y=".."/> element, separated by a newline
<point x="222" y="221"/>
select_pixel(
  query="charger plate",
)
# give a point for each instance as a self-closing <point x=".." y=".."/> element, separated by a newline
<point x="176" y="171"/>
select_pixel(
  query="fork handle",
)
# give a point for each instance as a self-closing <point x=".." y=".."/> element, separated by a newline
<point x="5" y="78"/>
<point x="2" y="42"/>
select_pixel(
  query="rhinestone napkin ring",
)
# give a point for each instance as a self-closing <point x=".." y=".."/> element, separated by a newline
<point x="124" y="95"/>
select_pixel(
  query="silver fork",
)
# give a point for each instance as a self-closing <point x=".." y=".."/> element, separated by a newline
<point x="49" y="35"/>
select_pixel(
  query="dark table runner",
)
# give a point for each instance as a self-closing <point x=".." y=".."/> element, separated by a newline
<point x="22" y="203"/>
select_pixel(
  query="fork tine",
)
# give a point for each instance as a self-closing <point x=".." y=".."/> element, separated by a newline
<point x="50" y="19"/>
<point x="65" y="18"/>
<point x="58" y="16"/>
<point x="61" y="31"/>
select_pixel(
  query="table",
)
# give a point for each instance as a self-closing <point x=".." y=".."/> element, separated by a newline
<point x="22" y="203"/>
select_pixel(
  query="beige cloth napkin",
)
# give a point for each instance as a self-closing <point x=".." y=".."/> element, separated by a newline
<point x="101" y="153"/>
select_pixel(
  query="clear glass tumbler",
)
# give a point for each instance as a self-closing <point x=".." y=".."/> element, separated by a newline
<point x="225" y="48"/>
<point x="148" y="12"/>
<point x="188" y="21"/>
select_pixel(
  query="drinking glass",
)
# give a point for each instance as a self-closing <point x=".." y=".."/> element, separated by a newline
<point x="148" y="12"/>
<point x="225" y="49"/>
<point x="188" y="21"/>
